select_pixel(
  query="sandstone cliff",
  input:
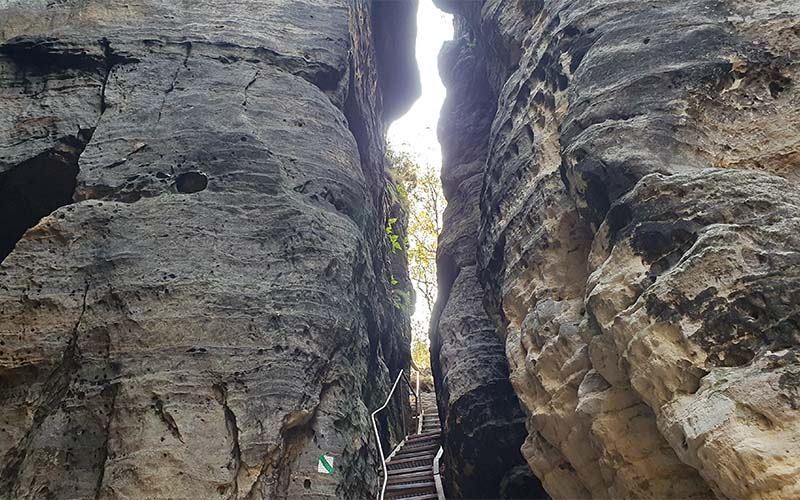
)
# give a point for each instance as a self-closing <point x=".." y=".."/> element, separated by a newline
<point x="483" y="424"/>
<point x="636" y="241"/>
<point x="205" y="305"/>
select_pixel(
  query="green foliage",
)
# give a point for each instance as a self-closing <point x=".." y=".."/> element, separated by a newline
<point x="421" y="354"/>
<point x="403" y="170"/>
<point x="401" y="191"/>
<point x="393" y="238"/>
<point x="424" y="201"/>
<point x="419" y="189"/>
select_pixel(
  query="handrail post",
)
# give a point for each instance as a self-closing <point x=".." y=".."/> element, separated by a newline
<point x="416" y="397"/>
<point x="378" y="436"/>
<point x="403" y="410"/>
<point x="437" y="478"/>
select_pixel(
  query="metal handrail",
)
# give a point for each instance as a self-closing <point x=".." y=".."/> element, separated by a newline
<point x="437" y="478"/>
<point x="418" y="403"/>
<point x="401" y="375"/>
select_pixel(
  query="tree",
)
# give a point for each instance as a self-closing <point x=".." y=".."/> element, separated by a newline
<point x="421" y="192"/>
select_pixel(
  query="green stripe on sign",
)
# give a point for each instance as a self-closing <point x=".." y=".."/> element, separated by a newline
<point x="328" y="467"/>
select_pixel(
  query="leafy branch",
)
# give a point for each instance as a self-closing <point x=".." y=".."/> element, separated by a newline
<point x="419" y="190"/>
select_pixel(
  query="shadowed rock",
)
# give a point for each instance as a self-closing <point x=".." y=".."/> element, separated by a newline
<point x="483" y="424"/>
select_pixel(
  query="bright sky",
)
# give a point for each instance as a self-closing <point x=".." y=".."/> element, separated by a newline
<point x="415" y="132"/>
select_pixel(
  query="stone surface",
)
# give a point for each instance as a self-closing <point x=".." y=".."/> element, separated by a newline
<point x="636" y="245"/>
<point x="209" y="309"/>
<point x="482" y="422"/>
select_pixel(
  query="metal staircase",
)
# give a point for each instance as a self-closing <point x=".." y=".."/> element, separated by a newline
<point x="411" y="466"/>
<point x="411" y="471"/>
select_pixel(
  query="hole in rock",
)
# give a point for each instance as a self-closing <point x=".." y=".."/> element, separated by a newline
<point x="307" y="484"/>
<point x="191" y="182"/>
<point x="775" y="89"/>
<point x="36" y="187"/>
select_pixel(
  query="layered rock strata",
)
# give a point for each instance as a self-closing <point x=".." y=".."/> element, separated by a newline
<point x="637" y="243"/>
<point x="195" y="296"/>
<point x="482" y="422"/>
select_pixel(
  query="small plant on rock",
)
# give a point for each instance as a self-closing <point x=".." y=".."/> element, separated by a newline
<point x="393" y="238"/>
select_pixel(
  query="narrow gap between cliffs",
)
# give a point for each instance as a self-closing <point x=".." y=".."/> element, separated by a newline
<point x="413" y="164"/>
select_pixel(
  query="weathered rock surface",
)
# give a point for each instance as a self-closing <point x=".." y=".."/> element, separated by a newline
<point x="482" y="421"/>
<point x="637" y="242"/>
<point x="208" y="310"/>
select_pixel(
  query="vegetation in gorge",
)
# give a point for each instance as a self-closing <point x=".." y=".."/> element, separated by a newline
<point x="419" y="189"/>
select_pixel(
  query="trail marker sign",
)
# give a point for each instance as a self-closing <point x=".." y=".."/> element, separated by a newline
<point x="325" y="464"/>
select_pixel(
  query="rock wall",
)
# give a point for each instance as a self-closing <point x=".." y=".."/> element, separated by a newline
<point x="483" y="424"/>
<point x="637" y="239"/>
<point x="195" y="293"/>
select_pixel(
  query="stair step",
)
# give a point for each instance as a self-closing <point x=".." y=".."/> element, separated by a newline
<point x="422" y="458"/>
<point x="421" y="446"/>
<point x="408" y="470"/>
<point x="411" y="476"/>
<point x="422" y="441"/>
<point x="432" y="447"/>
<point x="413" y="463"/>
<point x="424" y="496"/>
<point x="420" y="455"/>
<point x="411" y="492"/>
<point x="411" y="486"/>
<point x="424" y="435"/>
<point x="429" y="435"/>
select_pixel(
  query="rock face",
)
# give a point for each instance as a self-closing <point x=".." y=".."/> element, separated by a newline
<point x="636" y="239"/>
<point x="482" y="422"/>
<point x="204" y="307"/>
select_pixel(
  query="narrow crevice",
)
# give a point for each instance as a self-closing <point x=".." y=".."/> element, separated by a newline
<point x="231" y="425"/>
<point x="167" y="418"/>
<point x="171" y="87"/>
<point x="247" y="87"/>
<point x="56" y="389"/>
<point x="327" y="78"/>
<point x="110" y="59"/>
<point x="114" y="389"/>
<point x="323" y="76"/>
<point x="46" y="54"/>
<point x="276" y="468"/>
<point x="38" y="186"/>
